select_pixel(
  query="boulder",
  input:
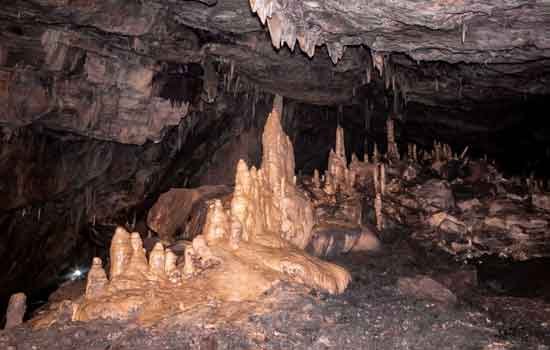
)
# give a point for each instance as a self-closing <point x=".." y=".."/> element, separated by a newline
<point x="171" y="213"/>
<point x="424" y="287"/>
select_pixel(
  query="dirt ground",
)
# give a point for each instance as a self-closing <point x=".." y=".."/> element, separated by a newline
<point x="372" y="314"/>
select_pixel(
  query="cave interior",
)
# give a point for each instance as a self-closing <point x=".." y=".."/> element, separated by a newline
<point x="390" y="156"/>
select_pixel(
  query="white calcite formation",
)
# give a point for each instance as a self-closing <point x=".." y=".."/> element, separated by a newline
<point x="247" y="245"/>
<point x="340" y="228"/>
<point x="338" y="176"/>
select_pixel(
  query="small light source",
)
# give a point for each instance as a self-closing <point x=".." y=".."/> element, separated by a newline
<point x="77" y="273"/>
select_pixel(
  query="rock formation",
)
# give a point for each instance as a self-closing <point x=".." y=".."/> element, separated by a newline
<point x="393" y="151"/>
<point x="338" y="205"/>
<point x="247" y="245"/>
<point x="16" y="310"/>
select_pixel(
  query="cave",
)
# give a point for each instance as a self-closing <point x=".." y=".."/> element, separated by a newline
<point x="274" y="174"/>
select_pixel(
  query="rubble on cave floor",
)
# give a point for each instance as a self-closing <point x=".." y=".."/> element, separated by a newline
<point x="371" y="314"/>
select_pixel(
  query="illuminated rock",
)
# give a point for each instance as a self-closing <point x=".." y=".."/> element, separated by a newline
<point x="138" y="261"/>
<point x="170" y="262"/>
<point x="242" y="252"/>
<point x="96" y="283"/>
<point x="121" y="251"/>
<point x="157" y="260"/>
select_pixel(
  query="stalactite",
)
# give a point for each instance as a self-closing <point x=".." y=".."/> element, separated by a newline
<point x="368" y="73"/>
<point x="378" y="62"/>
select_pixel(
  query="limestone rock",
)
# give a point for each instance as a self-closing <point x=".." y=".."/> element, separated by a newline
<point x="242" y="251"/>
<point x="172" y="213"/>
<point x="541" y="201"/>
<point x="424" y="287"/>
<point x="435" y="195"/>
<point x="157" y="260"/>
<point x="96" y="282"/>
<point x="121" y="252"/>
<point x="17" y="306"/>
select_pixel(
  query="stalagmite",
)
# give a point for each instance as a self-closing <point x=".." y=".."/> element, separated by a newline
<point x="382" y="179"/>
<point x="96" y="282"/>
<point x="329" y="185"/>
<point x="393" y="152"/>
<point x="138" y="261"/>
<point x="170" y="261"/>
<point x="316" y="181"/>
<point x="378" y="212"/>
<point x="188" y="267"/>
<point x="17" y="306"/>
<point x="375" y="155"/>
<point x="120" y="252"/>
<point x="157" y="259"/>
<point x="242" y="252"/>
<point x="216" y="226"/>
<point x="379" y="179"/>
<point x="236" y="233"/>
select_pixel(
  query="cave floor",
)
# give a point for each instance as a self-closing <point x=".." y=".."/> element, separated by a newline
<point x="371" y="314"/>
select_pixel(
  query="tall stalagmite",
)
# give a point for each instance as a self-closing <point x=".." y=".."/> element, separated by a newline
<point x="266" y="202"/>
<point x="246" y="247"/>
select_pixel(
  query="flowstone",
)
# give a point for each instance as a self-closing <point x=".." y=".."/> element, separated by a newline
<point x="244" y="249"/>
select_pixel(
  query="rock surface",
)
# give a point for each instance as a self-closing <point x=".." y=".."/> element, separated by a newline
<point x="424" y="287"/>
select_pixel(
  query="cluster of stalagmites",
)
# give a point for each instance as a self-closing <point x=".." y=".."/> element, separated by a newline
<point x="340" y="226"/>
<point x="247" y="245"/>
<point x="343" y="180"/>
<point x="461" y="205"/>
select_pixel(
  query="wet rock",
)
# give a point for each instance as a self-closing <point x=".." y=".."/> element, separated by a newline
<point x="541" y="201"/>
<point x="424" y="287"/>
<point x="435" y="195"/>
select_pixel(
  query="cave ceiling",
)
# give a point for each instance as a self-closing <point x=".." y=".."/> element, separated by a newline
<point x="99" y="68"/>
